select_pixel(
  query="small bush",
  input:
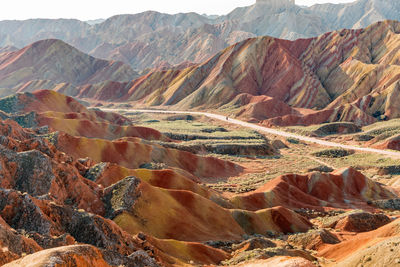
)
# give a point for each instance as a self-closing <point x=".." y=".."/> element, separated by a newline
<point x="333" y="153"/>
<point x="363" y="137"/>
<point x="153" y="166"/>
<point x="293" y="140"/>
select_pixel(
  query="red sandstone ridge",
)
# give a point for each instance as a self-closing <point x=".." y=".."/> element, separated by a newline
<point x="371" y="244"/>
<point x="342" y="189"/>
<point x="148" y="39"/>
<point x="54" y="191"/>
<point x="392" y="142"/>
<point x="134" y="153"/>
<point x="64" y="113"/>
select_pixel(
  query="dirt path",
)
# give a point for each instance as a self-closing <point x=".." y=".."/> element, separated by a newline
<point x="267" y="130"/>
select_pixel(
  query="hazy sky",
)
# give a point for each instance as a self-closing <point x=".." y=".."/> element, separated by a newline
<point x="93" y="9"/>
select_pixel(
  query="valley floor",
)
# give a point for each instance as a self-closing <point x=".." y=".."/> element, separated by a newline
<point x="297" y="152"/>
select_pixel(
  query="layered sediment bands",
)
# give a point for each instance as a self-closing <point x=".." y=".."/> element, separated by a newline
<point x="189" y="251"/>
<point x="354" y="248"/>
<point x="389" y="143"/>
<point x="107" y="174"/>
<point x="64" y="113"/>
<point x="343" y="189"/>
<point x="134" y="207"/>
<point x="277" y="219"/>
<point x="134" y="153"/>
<point x="58" y="62"/>
<point x="93" y="129"/>
<point x="80" y="200"/>
<point x="131" y="203"/>
<point x="382" y="253"/>
<point x="346" y="75"/>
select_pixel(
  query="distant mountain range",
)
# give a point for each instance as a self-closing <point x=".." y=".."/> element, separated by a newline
<point x="346" y="75"/>
<point x="156" y="40"/>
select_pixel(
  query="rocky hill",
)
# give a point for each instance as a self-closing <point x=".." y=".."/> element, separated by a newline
<point x="149" y="39"/>
<point x="53" y="61"/>
<point x="347" y="75"/>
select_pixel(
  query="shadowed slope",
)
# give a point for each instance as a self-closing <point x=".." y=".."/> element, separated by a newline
<point x="60" y="206"/>
<point x="132" y="204"/>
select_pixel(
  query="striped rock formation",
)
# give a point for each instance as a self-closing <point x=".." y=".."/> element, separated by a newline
<point x="58" y="62"/>
<point x="342" y="189"/>
<point x="347" y="75"/>
<point x="63" y="113"/>
<point x="60" y="200"/>
<point x="379" y="245"/>
<point x="81" y="200"/>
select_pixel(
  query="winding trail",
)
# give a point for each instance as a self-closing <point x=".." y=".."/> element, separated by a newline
<point x="266" y="130"/>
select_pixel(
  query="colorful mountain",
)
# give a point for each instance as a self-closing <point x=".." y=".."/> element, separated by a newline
<point x="59" y="62"/>
<point x="347" y="75"/>
<point x="64" y="113"/>
<point x="342" y="189"/>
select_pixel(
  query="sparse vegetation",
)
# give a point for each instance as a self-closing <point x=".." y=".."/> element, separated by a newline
<point x="333" y="153"/>
<point x="9" y="104"/>
<point x="202" y="137"/>
<point x="381" y="130"/>
<point x="325" y="129"/>
<point x="199" y="133"/>
<point x="293" y="140"/>
<point x="192" y="130"/>
<point x="362" y="161"/>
